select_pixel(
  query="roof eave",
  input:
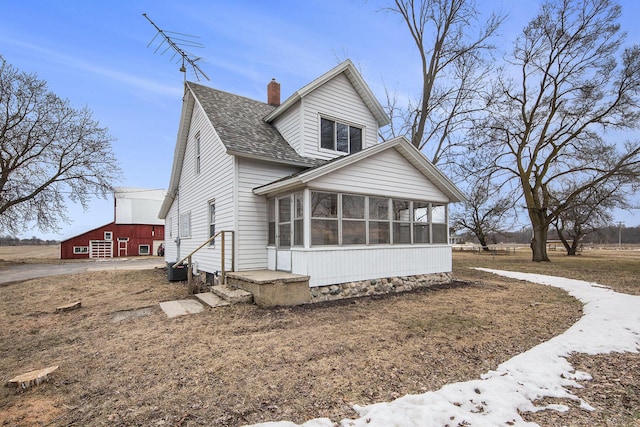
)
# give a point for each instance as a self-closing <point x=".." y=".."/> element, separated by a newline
<point x="179" y="152"/>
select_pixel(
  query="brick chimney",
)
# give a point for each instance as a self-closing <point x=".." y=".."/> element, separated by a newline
<point x="273" y="93"/>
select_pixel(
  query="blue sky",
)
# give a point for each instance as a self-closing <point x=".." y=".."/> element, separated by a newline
<point x="95" y="53"/>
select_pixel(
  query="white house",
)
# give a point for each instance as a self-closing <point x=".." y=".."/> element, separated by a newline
<point x="306" y="188"/>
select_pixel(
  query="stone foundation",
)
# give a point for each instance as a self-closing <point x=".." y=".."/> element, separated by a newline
<point x="377" y="286"/>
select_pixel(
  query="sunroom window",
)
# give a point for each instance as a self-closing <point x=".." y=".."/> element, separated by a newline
<point x="354" y="226"/>
<point x="341" y="137"/>
<point x="378" y="220"/>
<point x="439" y="223"/>
<point x="401" y="221"/>
<point x="324" y="218"/>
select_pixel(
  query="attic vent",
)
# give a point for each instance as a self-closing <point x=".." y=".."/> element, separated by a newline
<point x="273" y="93"/>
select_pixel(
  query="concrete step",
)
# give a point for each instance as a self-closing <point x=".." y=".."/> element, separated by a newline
<point x="211" y="299"/>
<point x="232" y="295"/>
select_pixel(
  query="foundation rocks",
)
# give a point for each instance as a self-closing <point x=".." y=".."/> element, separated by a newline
<point x="377" y="286"/>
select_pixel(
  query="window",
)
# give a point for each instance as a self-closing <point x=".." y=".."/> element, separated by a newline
<point x="350" y="219"/>
<point x="284" y="222"/>
<point x="324" y="218"/>
<point x="354" y="226"/>
<point x="271" y="213"/>
<point x="401" y="221"/>
<point x="81" y="249"/>
<point x="143" y="249"/>
<point x="185" y="225"/>
<point x="439" y="223"/>
<point x="421" y="222"/>
<point x="298" y="219"/>
<point x="378" y="220"/>
<point x="341" y="137"/>
<point x="212" y="221"/>
<point x="108" y="235"/>
<point x="197" y="153"/>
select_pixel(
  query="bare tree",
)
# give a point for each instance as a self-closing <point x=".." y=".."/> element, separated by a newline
<point x="453" y="68"/>
<point x="563" y="91"/>
<point x="590" y="212"/>
<point x="49" y="152"/>
<point x="484" y="213"/>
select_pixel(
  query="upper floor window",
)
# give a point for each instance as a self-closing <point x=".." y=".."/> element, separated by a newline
<point x="341" y="137"/>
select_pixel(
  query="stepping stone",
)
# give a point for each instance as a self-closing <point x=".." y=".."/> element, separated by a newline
<point x="181" y="307"/>
<point x="211" y="299"/>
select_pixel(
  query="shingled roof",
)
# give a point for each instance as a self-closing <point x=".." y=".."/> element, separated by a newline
<point x="240" y="125"/>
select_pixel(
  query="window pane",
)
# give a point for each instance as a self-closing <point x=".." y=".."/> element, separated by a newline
<point x="324" y="232"/>
<point x="298" y="236"/>
<point x="355" y="137"/>
<point x="299" y="205"/>
<point x="272" y="233"/>
<point x="324" y="205"/>
<point x="421" y="233"/>
<point x="439" y="233"/>
<point x="285" y="235"/>
<point x="421" y="212"/>
<point x="342" y="137"/>
<point x="401" y="210"/>
<point x="284" y="209"/>
<point x="438" y="213"/>
<point x="327" y="134"/>
<point x="378" y="232"/>
<point x="401" y="232"/>
<point x="271" y="214"/>
<point x="378" y="208"/>
<point x="353" y="232"/>
<point x="353" y="207"/>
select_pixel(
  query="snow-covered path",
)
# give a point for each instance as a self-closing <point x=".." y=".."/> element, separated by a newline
<point x="610" y="323"/>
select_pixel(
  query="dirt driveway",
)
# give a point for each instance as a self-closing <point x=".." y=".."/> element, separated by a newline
<point x="10" y="273"/>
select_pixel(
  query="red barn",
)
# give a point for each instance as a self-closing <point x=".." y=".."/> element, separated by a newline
<point x="135" y="231"/>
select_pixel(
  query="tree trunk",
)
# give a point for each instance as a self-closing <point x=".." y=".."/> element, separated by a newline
<point x="539" y="240"/>
<point x="482" y="239"/>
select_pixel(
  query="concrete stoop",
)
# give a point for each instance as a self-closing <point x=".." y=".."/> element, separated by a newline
<point x="232" y="295"/>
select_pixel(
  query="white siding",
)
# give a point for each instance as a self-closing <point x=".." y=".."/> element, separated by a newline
<point x="338" y="100"/>
<point x="289" y="124"/>
<point x="215" y="181"/>
<point x="252" y="211"/>
<point x="332" y="266"/>
<point x="385" y="174"/>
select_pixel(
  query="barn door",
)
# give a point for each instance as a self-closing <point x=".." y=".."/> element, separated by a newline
<point x="122" y="246"/>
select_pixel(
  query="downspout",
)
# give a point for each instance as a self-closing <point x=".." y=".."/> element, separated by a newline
<point x="177" y="240"/>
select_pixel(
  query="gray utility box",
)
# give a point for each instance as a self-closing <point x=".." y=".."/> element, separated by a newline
<point x="177" y="274"/>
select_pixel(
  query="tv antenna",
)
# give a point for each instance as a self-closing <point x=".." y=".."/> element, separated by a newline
<point x="177" y="45"/>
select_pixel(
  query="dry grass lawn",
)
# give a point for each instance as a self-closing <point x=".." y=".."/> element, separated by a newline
<point x="243" y="364"/>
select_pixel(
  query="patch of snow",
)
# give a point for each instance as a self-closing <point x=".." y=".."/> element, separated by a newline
<point x="610" y="323"/>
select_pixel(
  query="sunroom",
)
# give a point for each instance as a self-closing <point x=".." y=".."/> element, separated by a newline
<point x="341" y="223"/>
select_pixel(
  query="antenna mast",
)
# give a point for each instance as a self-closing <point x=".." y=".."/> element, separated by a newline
<point x="177" y="44"/>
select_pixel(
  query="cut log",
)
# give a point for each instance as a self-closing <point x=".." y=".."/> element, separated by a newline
<point x="73" y="306"/>
<point x="32" y="378"/>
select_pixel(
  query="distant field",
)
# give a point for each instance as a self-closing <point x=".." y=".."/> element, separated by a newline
<point x="23" y="253"/>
